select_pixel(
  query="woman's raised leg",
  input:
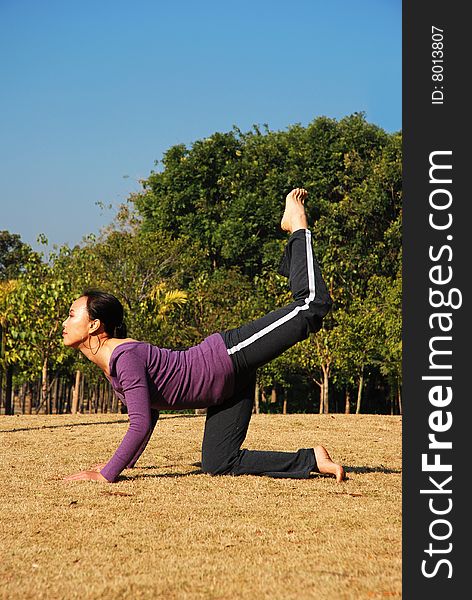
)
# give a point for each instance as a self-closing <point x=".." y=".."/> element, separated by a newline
<point x="262" y="340"/>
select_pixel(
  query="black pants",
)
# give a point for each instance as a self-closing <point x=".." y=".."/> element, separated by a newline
<point x="252" y="346"/>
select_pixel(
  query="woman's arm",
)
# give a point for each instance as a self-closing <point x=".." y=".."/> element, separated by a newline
<point x="133" y="378"/>
<point x="132" y="375"/>
<point x="134" y="460"/>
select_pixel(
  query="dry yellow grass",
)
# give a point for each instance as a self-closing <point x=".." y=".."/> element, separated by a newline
<point x="165" y="530"/>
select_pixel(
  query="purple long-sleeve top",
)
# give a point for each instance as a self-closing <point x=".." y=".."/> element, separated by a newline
<point x="147" y="378"/>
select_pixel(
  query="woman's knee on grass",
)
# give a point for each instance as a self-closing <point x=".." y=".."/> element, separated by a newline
<point x="216" y="465"/>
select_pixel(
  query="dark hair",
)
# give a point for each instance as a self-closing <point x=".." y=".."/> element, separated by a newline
<point x="108" y="309"/>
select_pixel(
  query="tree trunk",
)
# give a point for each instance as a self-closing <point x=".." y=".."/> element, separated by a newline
<point x="54" y="395"/>
<point x="273" y="395"/>
<point x="44" y="386"/>
<point x="9" y="408"/>
<point x="324" y="386"/>
<point x="114" y="403"/>
<point x="24" y="390"/>
<point x="28" y="400"/>
<point x="399" y="397"/>
<point x="347" y="402"/>
<point x="75" y="393"/>
<point x="110" y="400"/>
<point x="256" y="400"/>
<point x="284" y="407"/>
<point x="359" y="393"/>
<point x="62" y="396"/>
<point x="2" y="352"/>
<point x="325" y="395"/>
<point x="320" y="385"/>
<point x="17" y="400"/>
<point x="81" y="396"/>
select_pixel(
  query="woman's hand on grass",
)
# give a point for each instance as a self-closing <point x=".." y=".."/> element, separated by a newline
<point x="86" y="476"/>
<point x="98" y="466"/>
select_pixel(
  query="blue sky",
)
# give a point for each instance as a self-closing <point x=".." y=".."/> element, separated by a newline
<point x="95" y="91"/>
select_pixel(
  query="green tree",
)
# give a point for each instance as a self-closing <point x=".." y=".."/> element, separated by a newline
<point x="196" y="251"/>
<point x="13" y="255"/>
<point x="7" y="287"/>
<point x="315" y="357"/>
<point x="228" y="190"/>
<point x="38" y="305"/>
<point x="387" y="294"/>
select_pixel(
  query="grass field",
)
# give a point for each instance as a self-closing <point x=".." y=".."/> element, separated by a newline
<point x="166" y="530"/>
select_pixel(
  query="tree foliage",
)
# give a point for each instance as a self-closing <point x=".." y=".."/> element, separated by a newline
<point x="197" y="251"/>
<point x="228" y="191"/>
<point x="13" y="255"/>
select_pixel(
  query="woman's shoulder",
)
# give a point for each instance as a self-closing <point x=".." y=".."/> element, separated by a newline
<point x="116" y="342"/>
<point x="129" y="351"/>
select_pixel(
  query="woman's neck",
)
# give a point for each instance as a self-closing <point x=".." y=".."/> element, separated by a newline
<point x="98" y="350"/>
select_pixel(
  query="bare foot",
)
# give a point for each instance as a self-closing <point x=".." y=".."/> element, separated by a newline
<point x="294" y="216"/>
<point x="326" y="465"/>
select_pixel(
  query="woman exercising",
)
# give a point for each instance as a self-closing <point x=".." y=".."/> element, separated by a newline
<point x="218" y="374"/>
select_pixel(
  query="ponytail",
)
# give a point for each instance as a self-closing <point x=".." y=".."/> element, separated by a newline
<point x="109" y="310"/>
<point x="120" y="331"/>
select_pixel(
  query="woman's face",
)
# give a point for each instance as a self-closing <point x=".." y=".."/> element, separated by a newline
<point x="76" y="328"/>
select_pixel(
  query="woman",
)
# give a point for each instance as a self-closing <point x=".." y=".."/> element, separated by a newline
<point x="218" y="374"/>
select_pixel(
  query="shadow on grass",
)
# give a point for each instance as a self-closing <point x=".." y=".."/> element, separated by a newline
<point x="66" y="425"/>
<point x="198" y="471"/>
<point x="159" y="475"/>
<point x="379" y="469"/>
